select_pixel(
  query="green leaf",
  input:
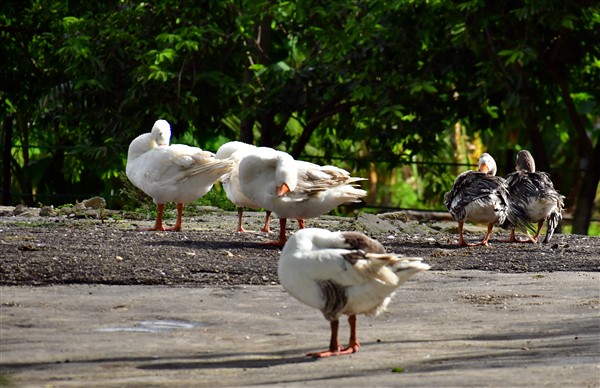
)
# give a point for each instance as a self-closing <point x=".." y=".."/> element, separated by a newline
<point x="165" y="55"/>
<point x="188" y="45"/>
<point x="505" y="53"/>
<point x="492" y="111"/>
<point x="257" y="67"/>
<point x="69" y="21"/>
<point x="168" y="38"/>
<point x="283" y="66"/>
<point x="420" y="86"/>
<point x="409" y="117"/>
<point x="11" y="106"/>
<point x="429" y="87"/>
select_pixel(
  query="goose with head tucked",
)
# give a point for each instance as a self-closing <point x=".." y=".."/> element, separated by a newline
<point x="171" y="172"/>
<point x="532" y="192"/>
<point x="295" y="189"/>
<point x="237" y="150"/>
<point x="480" y="196"/>
<point x="342" y="273"/>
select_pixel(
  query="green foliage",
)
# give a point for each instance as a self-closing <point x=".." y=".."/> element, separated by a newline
<point x="594" y="229"/>
<point x="216" y="197"/>
<point x="5" y="380"/>
<point x="134" y="198"/>
<point x="404" y="195"/>
<point x="351" y="82"/>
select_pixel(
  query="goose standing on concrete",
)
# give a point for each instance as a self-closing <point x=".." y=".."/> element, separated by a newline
<point x="237" y="150"/>
<point x="532" y="192"/>
<point x="342" y="273"/>
<point x="176" y="172"/>
<point x="295" y="189"/>
<point x="480" y="196"/>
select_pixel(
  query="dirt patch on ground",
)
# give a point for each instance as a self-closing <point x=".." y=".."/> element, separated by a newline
<point x="38" y="250"/>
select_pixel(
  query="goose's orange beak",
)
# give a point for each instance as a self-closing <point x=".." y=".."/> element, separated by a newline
<point x="484" y="168"/>
<point x="282" y="190"/>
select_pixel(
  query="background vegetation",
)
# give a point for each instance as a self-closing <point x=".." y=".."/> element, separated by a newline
<point x="406" y="93"/>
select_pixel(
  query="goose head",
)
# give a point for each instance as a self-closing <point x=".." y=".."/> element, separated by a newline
<point x="525" y="161"/>
<point x="487" y="164"/>
<point x="286" y="173"/>
<point x="161" y="132"/>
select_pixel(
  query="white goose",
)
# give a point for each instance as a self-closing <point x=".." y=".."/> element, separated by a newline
<point x="480" y="196"/>
<point x="295" y="189"/>
<point x="237" y="150"/>
<point x="342" y="273"/>
<point x="532" y="192"/>
<point x="166" y="173"/>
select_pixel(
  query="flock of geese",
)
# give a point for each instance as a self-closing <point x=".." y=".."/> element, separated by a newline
<point x="338" y="273"/>
<point x="526" y="196"/>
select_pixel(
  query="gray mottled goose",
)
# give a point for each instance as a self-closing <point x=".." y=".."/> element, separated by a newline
<point x="342" y="273"/>
<point x="480" y="196"/>
<point x="533" y="193"/>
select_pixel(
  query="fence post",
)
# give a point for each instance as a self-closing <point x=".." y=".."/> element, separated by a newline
<point x="6" y="160"/>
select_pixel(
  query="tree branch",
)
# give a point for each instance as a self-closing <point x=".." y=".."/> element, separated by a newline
<point x="330" y="109"/>
<point x="584" y="141"/>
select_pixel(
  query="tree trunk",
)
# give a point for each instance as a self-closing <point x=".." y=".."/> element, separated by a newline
<point x="537" y="143"/>
<point x="584" y="202"/>
<point x="261" y="47"/>
<point x="247" y="122"/>
<point x="27" y="183"/>
<point x="6" y="160"/>
<point x="262" y="44"/>
<point x="267" y="129"/>
<point x="584" y="205"/>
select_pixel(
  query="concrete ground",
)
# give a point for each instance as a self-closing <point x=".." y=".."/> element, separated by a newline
<point x="455" y="328"/>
